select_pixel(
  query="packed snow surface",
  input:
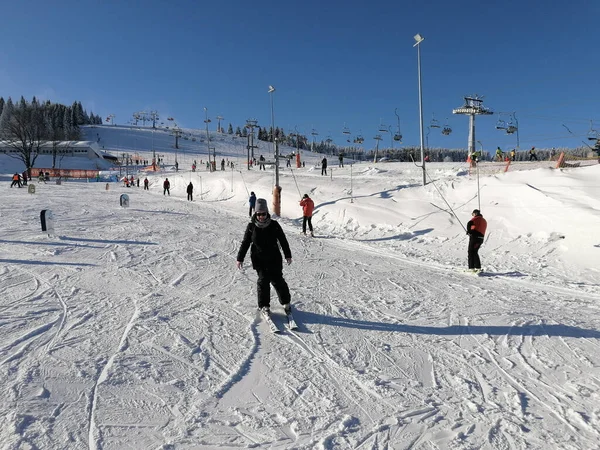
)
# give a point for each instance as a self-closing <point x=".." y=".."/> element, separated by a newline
<point x="132" y="327"/>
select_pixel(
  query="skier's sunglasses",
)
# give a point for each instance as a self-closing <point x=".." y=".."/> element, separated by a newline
<point x="261" y="214"/>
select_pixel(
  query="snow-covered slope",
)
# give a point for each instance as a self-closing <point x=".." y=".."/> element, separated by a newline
<point x="132" y="328"/>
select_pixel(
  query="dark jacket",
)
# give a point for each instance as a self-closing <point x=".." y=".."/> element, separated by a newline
<point x="190" y="188"/>
<point x="265" y="242"/>
<point x="252" y="201"/>
<point x="476" y="226"/>
<point x="166" y="184"/>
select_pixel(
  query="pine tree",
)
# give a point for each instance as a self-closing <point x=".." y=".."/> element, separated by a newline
<point x="68" y="123"/>
<point x="229" y="129"/>
<point x="5" y="116"/>
<point x="238" y="131"/>
<point x="1" y="105"/>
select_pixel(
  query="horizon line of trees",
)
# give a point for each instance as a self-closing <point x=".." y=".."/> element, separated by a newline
<point x="25" y="126"/>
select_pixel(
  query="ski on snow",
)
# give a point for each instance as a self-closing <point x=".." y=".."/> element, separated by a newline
<point x="269" y="320"/>
<point x="291" y="322"/>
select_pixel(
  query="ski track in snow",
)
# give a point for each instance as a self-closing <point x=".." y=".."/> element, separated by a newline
<point x="150" y="339"/>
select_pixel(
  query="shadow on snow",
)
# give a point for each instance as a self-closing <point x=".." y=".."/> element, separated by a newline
<point x="453" y="330"/>
<point x="43" y="263"/>
<point x="106" y="241"/>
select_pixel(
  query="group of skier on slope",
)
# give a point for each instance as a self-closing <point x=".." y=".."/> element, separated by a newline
<point x="264" y="237"/>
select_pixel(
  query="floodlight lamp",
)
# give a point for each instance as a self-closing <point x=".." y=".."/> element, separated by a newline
<point x="418" y="39"/>
<point x="271" y="89"/>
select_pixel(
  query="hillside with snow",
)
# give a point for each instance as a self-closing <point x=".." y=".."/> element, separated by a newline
<point x="132" y="328"/>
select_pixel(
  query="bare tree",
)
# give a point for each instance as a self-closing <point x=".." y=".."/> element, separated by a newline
<point x="24" y="133"/>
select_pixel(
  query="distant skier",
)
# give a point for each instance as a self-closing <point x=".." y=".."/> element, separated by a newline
<point x="532" y="154"/>
<point x="499" y="154"/>
<point x="16" y="180"/>
<point x="341" y="160"/>
<point x="513" y="155"/>
<point x="24" y="175"/>
<point x="476" y="230"/>
<point x="324" y="166"/>
<point x="146" y="183"/>
<point x="223" y="164"/>
<point x="261" y="165"/>
<point x="308" y="207"/>
<point x="190" y="190"/>
<point x="264" y="236"/>
<point x="252" y="203"/>
<point x="166" y="187"/>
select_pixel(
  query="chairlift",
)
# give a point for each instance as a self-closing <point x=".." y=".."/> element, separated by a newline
<point x="383" y="128"/>
<point x="510" y="128"/>
<point x="434" y="123"/>
<point x="359" y="139"/>
<point x="170" y="118"/>
<point x="501" y="124"/>
<point x="397" y="137"/>
<point x="345" y="130"/>
<point x="378" y="137"/>
<point x="593" y="135"/>
<point x="446" y="130"/>
<point x="314" y="132"/>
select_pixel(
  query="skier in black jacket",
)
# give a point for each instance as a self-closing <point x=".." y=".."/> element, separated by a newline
<point x="266" y="235"/>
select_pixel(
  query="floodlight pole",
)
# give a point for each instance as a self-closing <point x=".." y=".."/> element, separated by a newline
<point x="418" y="38"/>
<point x="277" y="188"/>
<point x="206" y="120"/>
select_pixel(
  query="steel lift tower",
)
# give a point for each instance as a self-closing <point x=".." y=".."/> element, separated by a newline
<point x="473" y="107"/>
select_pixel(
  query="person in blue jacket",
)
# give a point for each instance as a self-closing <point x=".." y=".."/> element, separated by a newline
<point x="252" y="203"/>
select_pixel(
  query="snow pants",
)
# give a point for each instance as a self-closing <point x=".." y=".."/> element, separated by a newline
<point x="473" y="252"/>
<point x="305" y="220"/>
<point x="274" y="276"/>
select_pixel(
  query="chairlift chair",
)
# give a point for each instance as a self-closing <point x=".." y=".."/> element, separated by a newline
<point x="593" y="135"/>
<point x="434" y="124"/>
<point x="500" y="125"/>
<point x="510" y="128"/>
<point x="397" y="137"/>
<point x="446" y="130"/>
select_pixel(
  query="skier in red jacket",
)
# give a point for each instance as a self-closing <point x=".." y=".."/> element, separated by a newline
<point x="308" y="207"/>
<point x="476" y="230"/>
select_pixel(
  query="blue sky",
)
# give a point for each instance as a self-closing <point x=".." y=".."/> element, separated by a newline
<point x="333" y="63"/>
